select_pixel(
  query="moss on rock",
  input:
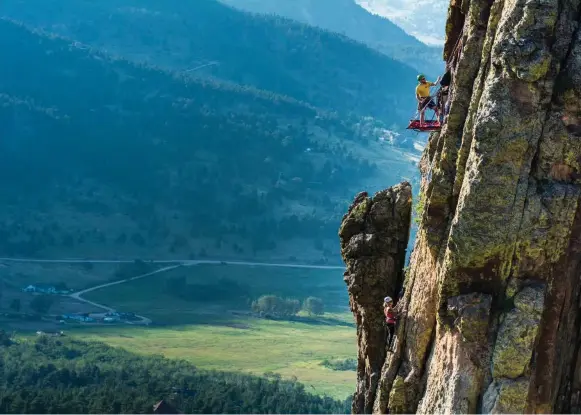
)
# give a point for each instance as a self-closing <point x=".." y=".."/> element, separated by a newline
<point x="506" y="397"/>
<point x="397" y="397"/>
<point x="514" y="345"/>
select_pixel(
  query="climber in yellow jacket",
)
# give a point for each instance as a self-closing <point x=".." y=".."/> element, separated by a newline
<point x="424" y="98"/>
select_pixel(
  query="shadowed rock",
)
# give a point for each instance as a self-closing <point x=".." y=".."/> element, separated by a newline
<point x="374" y="235"/>
<point x="491" y="316"/>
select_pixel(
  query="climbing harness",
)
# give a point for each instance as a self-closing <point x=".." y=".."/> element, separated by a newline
<point x="428" y="125"/>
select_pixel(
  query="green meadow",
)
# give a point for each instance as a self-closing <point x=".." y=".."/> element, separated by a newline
<point x="216" y="330"/>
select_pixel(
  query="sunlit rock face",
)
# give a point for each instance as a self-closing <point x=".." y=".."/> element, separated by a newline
<point x="491" y="319"/>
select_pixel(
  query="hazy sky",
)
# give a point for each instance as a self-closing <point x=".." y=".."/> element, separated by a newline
<point x="424" y="19"/>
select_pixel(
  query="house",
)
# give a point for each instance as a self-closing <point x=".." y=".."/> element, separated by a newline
<point x="56" y="334"/>
<point x="44" y="289"/>
<point x="125" y="316"/>
<point x="162" y="407"/>
<point x="40" y="288"/>
<point x="78" y="317"/>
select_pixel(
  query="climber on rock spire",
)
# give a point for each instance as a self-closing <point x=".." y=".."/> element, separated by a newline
<point x="425" y="101"/>
<point x="424" y="97"/>
<point x="390" y="319"/>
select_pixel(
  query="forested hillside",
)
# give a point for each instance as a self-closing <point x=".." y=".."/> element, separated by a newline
<point x="64" y="376"/>
<point x="349" y="18"/>
<point x="100" y="156"/>
<point x="325" y="69"/>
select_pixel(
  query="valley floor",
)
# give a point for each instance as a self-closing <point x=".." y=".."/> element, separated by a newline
<point x="215" y="330"/>
<point x="257" y="346"/>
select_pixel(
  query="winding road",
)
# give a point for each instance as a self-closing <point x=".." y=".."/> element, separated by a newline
<point x="177" y="263"/>
<point x="184" y="262"/>
<point x="142" y="319"/>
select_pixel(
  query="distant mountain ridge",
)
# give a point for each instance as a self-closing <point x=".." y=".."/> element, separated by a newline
<point x="102" y="155"/>
<point x="424" y="19"/>
<point x="351" y="19"/>
<point x="275" y="54"/>
<point x="144" y="127"/>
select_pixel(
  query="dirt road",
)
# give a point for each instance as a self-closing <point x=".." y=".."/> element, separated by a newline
<point x="142" y="320"/>
<point x="178" y="263"/>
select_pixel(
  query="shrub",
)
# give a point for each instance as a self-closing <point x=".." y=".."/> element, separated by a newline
<point x="345" y="364"/>
<point x="277" y="306"/>
<point x="314" y="305"/>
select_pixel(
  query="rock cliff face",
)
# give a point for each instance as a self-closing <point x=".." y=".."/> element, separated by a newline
<point x="374" y="235"/>
<point x="491" y="312"/>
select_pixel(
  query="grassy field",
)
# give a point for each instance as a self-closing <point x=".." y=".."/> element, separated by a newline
<point x="250" y="345"/>
<point x="214" y="335"/>
<point x="18" y="275"/>
<point x="149" y="296"/>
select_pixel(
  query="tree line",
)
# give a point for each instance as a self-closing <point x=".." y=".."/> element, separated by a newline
<point x="60" y="375"/>
<point x="291" y="59"/>
<point x="273" y="305"/>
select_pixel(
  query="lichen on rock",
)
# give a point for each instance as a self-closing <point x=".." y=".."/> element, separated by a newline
<point x="491" y="314"/>
<point x="472" y="313"/>
<point x="513" y="349"/>
<point x="374" y="235"/>
<point x="506" y="397"/>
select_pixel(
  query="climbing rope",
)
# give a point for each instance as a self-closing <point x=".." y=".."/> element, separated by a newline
<point x="453" y="53"/>
<point x="456" y="46"/>
<point x="430" y="169"/>
<point x="436" y="95"/>
<point x="432" y="96"/>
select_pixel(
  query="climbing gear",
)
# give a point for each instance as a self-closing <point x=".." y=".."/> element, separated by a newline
<point x="390" y="317"/>
<point x="453" y="56"/>
<point x="436" y="125"/>
<point x="390" y="335"/>
<point x="387" y="300"/>
<point x="428" y="125"/>
<point x="433" y="124"/>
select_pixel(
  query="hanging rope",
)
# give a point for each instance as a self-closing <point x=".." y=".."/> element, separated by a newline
<point x="430" y="168"/>
<point x="451" y="61"/>
<point x="435" y="95"/>
<point x="458" y="43"/>
<point x="432" y="96"/>
<point x="431" y="124"/>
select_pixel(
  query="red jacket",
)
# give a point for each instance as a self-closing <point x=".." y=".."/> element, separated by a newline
<point x="389" y="315"/>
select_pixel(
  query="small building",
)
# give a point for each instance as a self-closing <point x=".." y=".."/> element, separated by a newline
<point x="44" y="289"/>
<point x="126" y="316"/>
<point x="162" y="407"/>
<point x="55" y="334"/>
<point x="78" y="317"/>
<point x="40" y="288"/>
